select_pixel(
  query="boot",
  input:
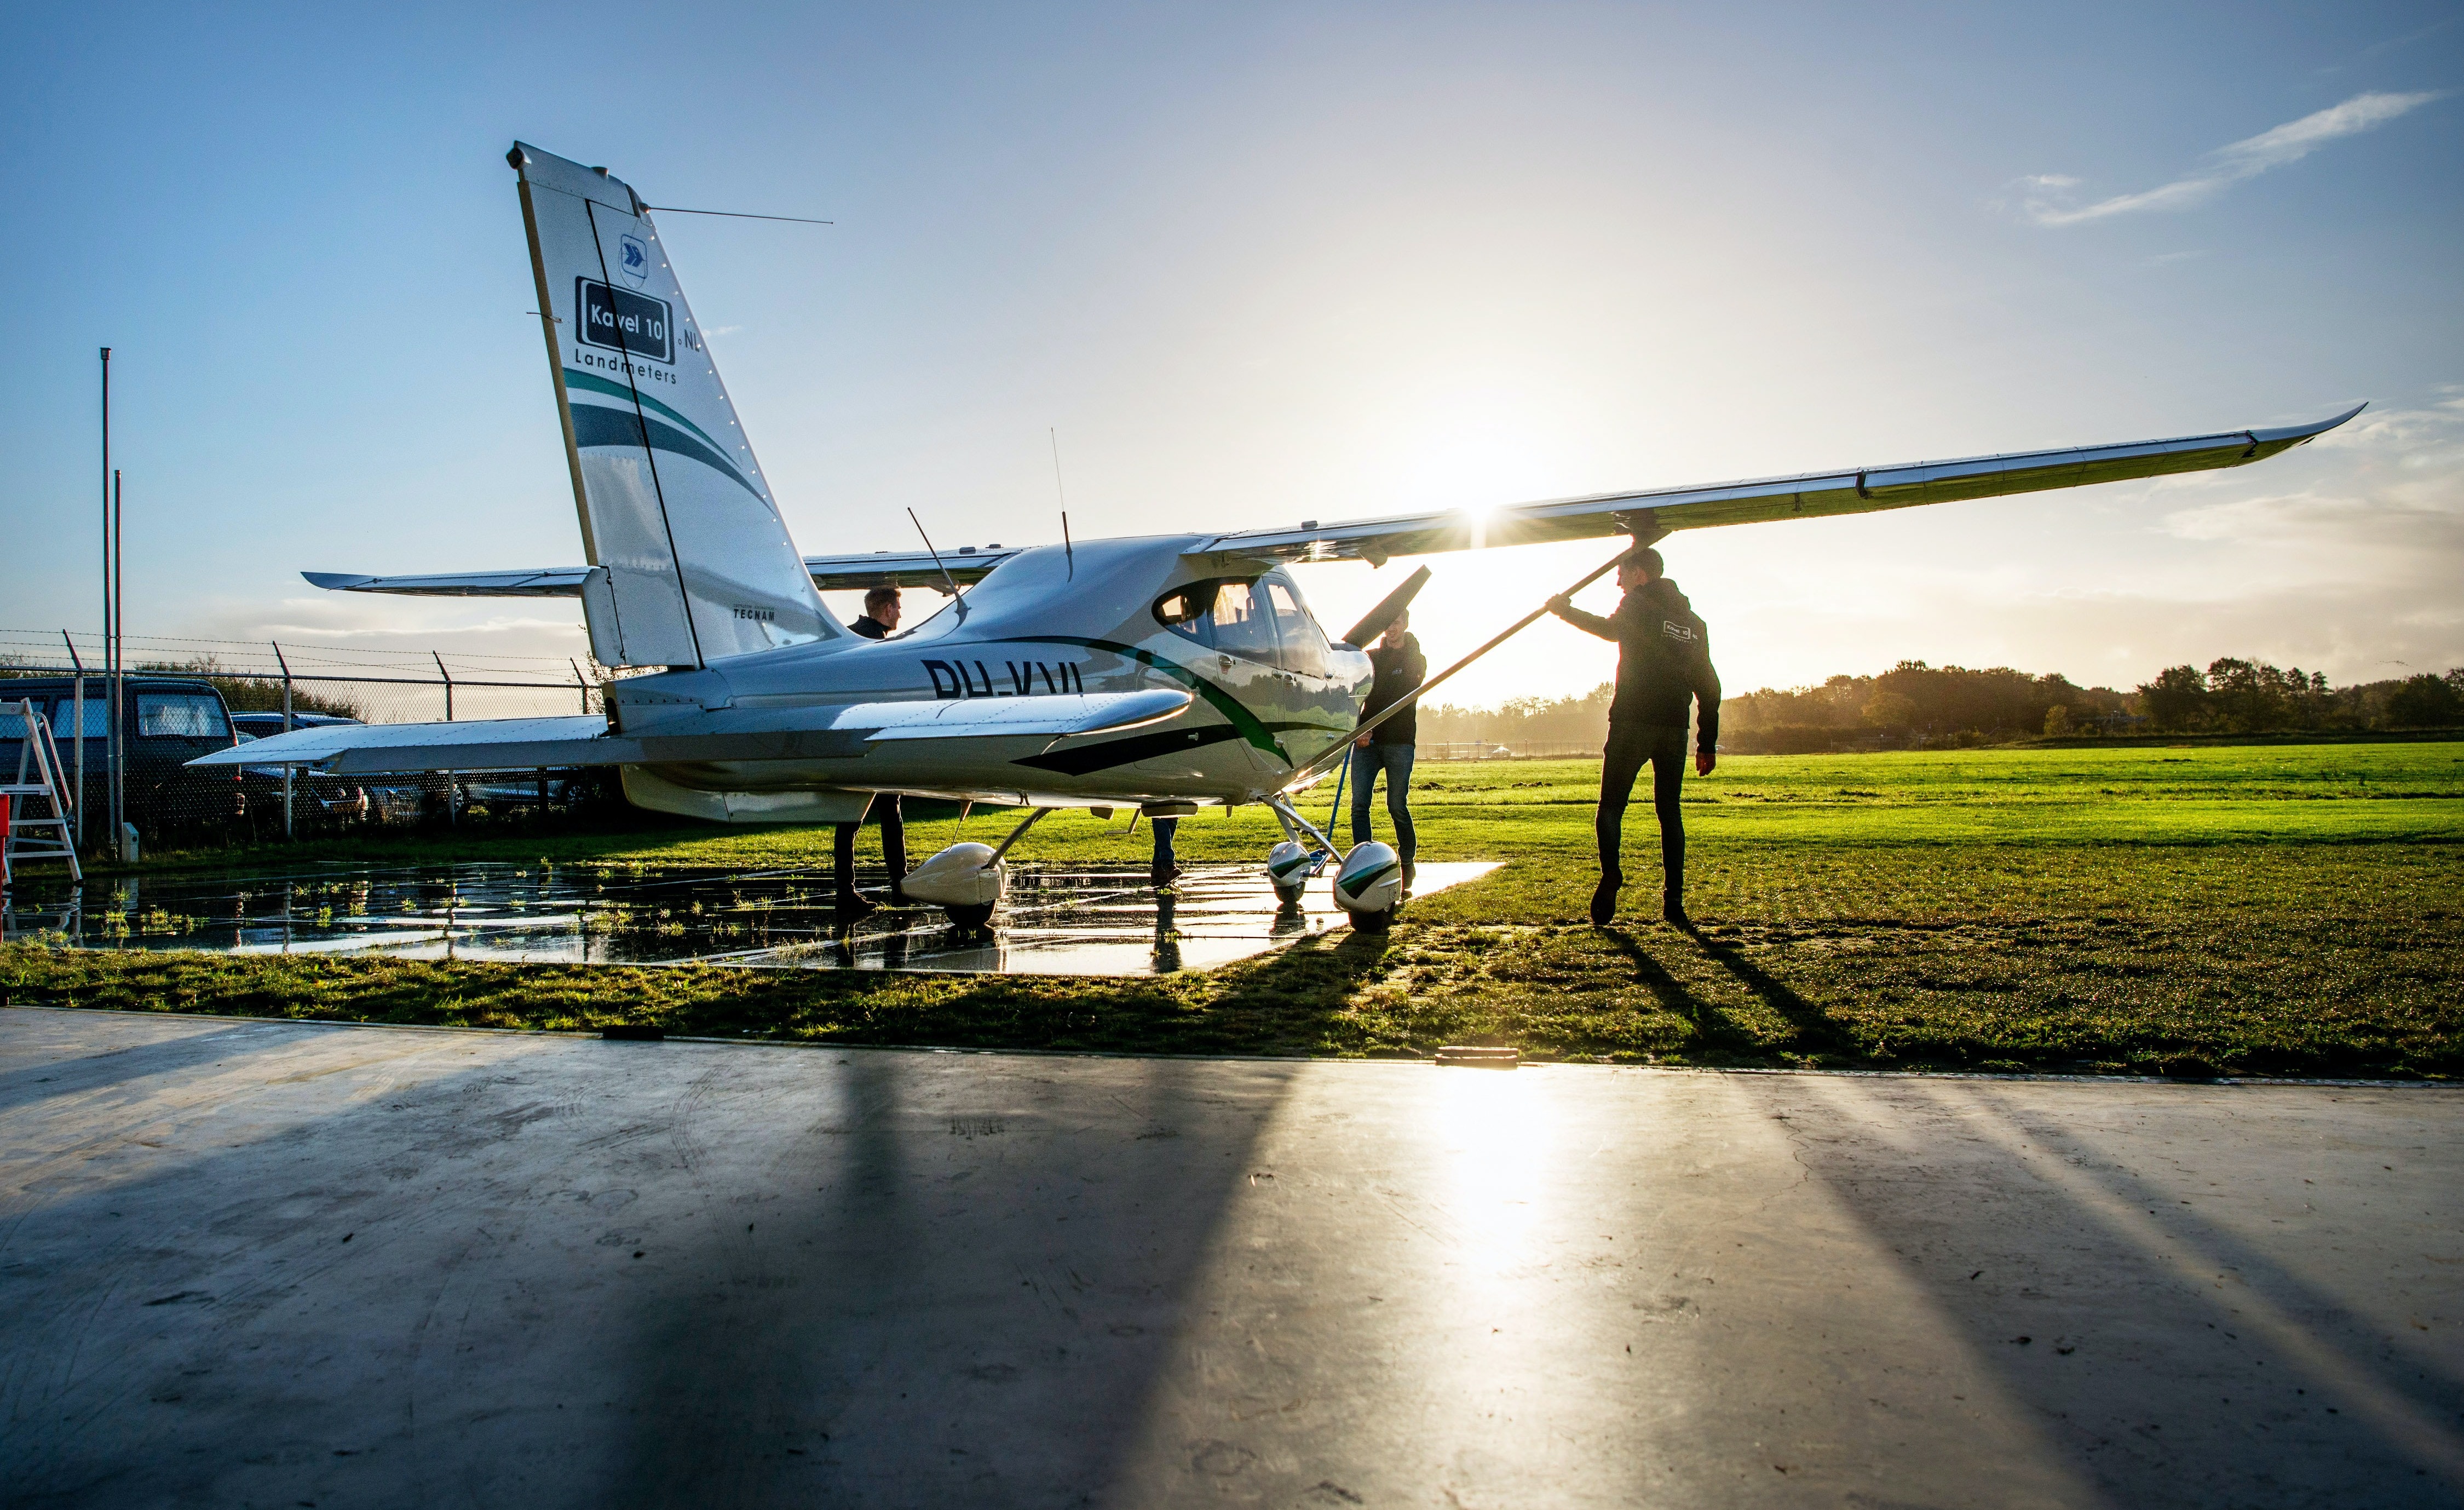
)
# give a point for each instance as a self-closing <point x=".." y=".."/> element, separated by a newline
<point x="1408" y="872"/>
<point x="1672" y="910"/>
<point x="1604" y="897"/>
<point x="850" y="904"/>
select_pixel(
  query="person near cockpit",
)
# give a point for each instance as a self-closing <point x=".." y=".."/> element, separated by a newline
<point x="882" y="612"/>
<point x="1387" y="749"/>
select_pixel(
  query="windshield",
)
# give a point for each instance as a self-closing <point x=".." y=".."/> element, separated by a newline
<point x="185" y="715"/>
<point x="1256" y="618"/>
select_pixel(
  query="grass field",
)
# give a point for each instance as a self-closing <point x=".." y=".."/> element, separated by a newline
<point x="2288" y="909"/>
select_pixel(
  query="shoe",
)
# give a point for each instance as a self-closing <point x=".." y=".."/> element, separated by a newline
<point x="1408" y="872"/>
<point x="1161" y="878"/>
<point x="850" y="905"/>
<point x="1673" y="911"/>
<point x="1604" y="898"/>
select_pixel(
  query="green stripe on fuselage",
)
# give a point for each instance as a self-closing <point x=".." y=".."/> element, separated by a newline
<point x="1250" y="726"/>
<point x="592" y="383"/>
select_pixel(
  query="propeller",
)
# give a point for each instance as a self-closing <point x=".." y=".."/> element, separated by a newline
<point x="1389" y="609"/>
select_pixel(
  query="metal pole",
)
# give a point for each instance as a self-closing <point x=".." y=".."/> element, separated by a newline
<point x="78" y="664"/>
<point x="453" y="787"/>
<point x="287" y="768"/>
<point x="120" y="678"/>
<point x="580" y="680"/>
<point x="110" y="691"/>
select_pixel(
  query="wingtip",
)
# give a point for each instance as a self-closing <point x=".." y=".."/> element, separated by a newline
<point x="336" y="581"/>
<point x="2305" y="432"/>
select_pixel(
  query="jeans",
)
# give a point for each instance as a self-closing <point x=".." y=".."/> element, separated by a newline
<point x="1630" y="745"/>
<point x="1395" y="761"/>
<point x="1164" y="829"/>
<point x="893" y="846"/>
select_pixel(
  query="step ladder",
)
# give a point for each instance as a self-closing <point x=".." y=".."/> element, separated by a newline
<point x="24" y="835"/>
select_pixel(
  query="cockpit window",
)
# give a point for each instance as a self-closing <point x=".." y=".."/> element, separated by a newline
<point x="1256" y="618"/>
<point x="1304" y="645"/>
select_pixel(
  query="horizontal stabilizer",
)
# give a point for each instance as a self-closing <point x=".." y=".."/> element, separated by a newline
<point x="578" y="739"/>
<point x="811" y="733"/>
<point x="881" y="568"/>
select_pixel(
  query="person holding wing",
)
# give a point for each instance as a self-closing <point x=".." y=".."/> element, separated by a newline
<point x="1663" y="671"/>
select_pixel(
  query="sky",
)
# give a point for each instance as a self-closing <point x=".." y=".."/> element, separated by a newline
<point x="1254" y="264"/>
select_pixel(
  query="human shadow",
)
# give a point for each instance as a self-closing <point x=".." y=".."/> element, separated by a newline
<point x="2174" y="1355"/>
<point x="1673" y="995"/>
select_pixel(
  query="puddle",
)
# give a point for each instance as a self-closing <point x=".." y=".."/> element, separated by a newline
<point x="1056" y="921"/>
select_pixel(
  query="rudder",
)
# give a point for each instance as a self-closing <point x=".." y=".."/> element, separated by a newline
<point x="692" y="562"/>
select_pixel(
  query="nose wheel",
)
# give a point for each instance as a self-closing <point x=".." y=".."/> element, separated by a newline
<point x="971" y="918"/>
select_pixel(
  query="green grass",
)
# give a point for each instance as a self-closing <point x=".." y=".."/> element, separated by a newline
<point x="2293" y="909"/>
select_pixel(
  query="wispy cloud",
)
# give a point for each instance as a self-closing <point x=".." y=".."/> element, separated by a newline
<point x="2289" y="142"/>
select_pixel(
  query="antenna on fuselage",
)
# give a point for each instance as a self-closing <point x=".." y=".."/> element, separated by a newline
<point x="952" y="581"/>
<point x="1068" y="550"/>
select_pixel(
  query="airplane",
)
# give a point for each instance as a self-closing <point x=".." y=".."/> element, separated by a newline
<point x="1180" y="671"/>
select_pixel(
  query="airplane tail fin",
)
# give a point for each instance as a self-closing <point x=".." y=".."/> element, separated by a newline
<point x="691" y="560"/>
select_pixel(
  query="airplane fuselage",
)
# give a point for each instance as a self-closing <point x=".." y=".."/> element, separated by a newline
<point x="1270" y="692"/>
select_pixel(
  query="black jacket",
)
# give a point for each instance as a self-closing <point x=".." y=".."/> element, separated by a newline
<point x="870" y="628"/>
<point x="1663" y="661"/>
<point x="1400" y="671"/>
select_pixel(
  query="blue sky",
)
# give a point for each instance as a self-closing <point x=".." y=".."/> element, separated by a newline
<point x="1263" y="263"/>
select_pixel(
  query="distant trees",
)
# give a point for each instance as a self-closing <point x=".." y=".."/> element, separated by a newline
<point x="2250" y="697"/>
<point x="1914" y="704"/>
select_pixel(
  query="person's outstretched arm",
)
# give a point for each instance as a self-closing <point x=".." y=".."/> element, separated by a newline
<point x="1588" y="623"/>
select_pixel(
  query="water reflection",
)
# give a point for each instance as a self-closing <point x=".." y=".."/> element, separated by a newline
<point x="1072" y="921"/>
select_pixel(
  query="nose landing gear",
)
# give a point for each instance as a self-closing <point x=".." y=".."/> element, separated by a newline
<point x="1368" y="883"/>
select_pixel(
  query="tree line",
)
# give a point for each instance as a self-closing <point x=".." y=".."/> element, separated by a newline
<point x="1916" y="706"/>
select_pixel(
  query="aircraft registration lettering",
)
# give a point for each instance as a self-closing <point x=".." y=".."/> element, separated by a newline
<point x="958" y="679"/>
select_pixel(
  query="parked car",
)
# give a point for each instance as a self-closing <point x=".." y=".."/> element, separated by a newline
<point x="165" y="723"/>
<point x="316" y="800"/>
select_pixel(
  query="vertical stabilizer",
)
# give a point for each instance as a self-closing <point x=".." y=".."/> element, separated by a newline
<point x="693" y="562"/>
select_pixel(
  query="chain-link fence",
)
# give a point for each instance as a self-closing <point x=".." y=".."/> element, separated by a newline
<point x="180" y="699"/>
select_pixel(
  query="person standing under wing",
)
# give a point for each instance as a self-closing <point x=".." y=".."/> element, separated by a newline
<point x="1400" y="669"/>
<point x="882" y="612"/>
<point x="1165" y="868"/>
<point x="1664" y="666"/>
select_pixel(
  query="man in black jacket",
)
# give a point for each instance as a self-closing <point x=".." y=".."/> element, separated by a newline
<point x="1664" y="668"/>
<point x="1400" y="669"/>
<point x="882" y="612"/>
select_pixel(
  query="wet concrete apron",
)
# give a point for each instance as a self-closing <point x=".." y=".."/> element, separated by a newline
<point x="282" y="1264"/>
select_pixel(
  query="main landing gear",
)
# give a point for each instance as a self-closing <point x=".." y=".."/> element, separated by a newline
<point x="966" y="880"/>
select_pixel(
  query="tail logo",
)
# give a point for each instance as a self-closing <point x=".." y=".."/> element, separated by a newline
<point x="634" y="261"/>
<point x="623" y="320"/>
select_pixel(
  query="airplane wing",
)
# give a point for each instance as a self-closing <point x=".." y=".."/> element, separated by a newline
<point x="768" y="734"/>
<point x="1812" y="495"/>
<point x="880" y="568"/>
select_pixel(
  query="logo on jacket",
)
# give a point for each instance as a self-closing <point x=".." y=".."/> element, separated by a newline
<point x="1677" y="631"/>
<point x="633" y="259"/>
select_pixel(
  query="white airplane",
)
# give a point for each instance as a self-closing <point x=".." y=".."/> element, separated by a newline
<point x="1178" y="670"/>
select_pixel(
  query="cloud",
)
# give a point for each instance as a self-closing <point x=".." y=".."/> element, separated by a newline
<point x="2248" y="158"/>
